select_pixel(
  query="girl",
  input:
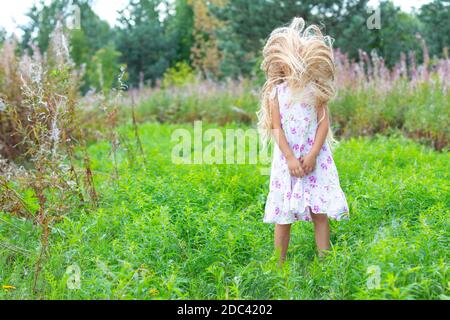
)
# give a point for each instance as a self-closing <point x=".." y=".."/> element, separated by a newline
<point x="304" y="183"/>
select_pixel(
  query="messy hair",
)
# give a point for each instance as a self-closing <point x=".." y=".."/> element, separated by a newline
<point x="302" y="57"/>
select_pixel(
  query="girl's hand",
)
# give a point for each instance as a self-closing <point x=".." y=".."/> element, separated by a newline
<point x="295" y="168"/>
<point x="309" y="163"/>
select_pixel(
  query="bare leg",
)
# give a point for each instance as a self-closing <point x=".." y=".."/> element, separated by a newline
<point x="282" y="237"/>
<point x="322" y="232"/>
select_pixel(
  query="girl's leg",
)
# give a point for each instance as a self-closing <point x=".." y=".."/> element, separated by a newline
<point x="282" y="237"/>
<point x="322" y="232"/>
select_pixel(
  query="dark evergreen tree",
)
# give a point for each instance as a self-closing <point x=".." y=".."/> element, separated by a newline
<point x="146" y="48"/>
<point x="180" y="28"/>
<point x="435" y="17"/>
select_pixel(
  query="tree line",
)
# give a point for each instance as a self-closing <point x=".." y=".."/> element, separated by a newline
<point x="223" y="38"/>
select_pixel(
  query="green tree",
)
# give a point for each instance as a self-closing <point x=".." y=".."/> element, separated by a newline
<point x="79" y="47"/>
<point x="249" y="23"/>
<point x="435" y="17"/>
<point x="350" y="31"/>
<point x="85" y="42"/>
<point x="398" y="33"/>
<point x="181" y="26"/>
<point x="43" y="19"/>
<point x="147" y="49"/>
<point x="104" y="68"/>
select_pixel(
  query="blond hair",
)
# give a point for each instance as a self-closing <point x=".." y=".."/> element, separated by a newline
<point x="301" y="57"/>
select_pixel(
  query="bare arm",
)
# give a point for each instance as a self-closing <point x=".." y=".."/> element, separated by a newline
<point x="309" y="161"/>
<point x="322" y="130"/>
<point x="294" y="165"/>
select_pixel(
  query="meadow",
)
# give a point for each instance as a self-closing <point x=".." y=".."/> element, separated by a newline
<point x="92" y="206"/>
<point x="165" y="231"/>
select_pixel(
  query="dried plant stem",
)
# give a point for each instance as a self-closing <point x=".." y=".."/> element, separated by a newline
<point x="43" y="220"/>
<point x="89" y="178"/>
<point x="136" y="129"/>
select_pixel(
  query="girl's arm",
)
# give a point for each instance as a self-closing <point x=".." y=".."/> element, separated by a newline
<point x="294" y="164"/>
<point x="309" y="161"/>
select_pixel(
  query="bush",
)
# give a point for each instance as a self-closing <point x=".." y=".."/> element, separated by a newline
<point x="178" y="76"/>
<point x="103" y="69"/>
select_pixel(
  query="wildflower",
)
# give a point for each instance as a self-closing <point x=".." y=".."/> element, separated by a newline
<point x="2" y="105"/>
<point x="153" y="292"/>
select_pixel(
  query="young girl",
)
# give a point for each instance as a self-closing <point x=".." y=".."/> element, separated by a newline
<point x="304" y="183"/>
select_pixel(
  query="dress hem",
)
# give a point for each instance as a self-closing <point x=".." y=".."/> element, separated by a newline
<point x="307" y="218"/>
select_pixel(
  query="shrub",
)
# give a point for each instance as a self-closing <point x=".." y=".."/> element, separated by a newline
<point x="178" y="76"/>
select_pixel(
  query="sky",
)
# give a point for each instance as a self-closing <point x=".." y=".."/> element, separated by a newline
<point x="13" y="14"/>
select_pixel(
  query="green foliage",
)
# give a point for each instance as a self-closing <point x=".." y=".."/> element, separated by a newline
<point x="178" y="76"/>
<point x="93" y="34"/>
<point x="435" y="16"/>
<point x="195" y="232"/>
<point x="44" y="17"/>
<point x="104" y="68"/>
<point x="420" y="113"/>
<point x="397" y="34"/>
<point x="146" y="48"/>
<point x="79" y="47"/>
<point x="151" y="41"/>
<point x="205" y="100"/>
<point x="248" y="24"/>
<point x="180" y="26"/>
<point x="350" y="31"/>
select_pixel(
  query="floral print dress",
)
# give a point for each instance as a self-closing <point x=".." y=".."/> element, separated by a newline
<point x="292" y="199"/>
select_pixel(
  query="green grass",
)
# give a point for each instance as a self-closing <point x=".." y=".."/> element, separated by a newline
<point x="195" y="232"/>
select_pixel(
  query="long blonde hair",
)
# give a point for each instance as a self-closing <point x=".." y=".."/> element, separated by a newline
<point x="301" y="57"/>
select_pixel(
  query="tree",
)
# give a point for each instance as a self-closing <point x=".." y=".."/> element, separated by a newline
<point x="205" y="54"/>
<point x="435" y="17"/>
<point x="180" y="25"/>
<point x="397" y="33"/>
<point x="349" y="29"/>
<point x="104" y="68"/>
<point x="146" y="48"/>
<point x="44" y="17"/>
<point x="248" y="23"/>
<point x="79" y="47"/>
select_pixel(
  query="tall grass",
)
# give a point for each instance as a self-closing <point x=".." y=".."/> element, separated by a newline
<point x="371" y="99"/>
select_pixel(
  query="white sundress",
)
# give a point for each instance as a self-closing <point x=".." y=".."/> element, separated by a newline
<point x="292" y="199"/>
